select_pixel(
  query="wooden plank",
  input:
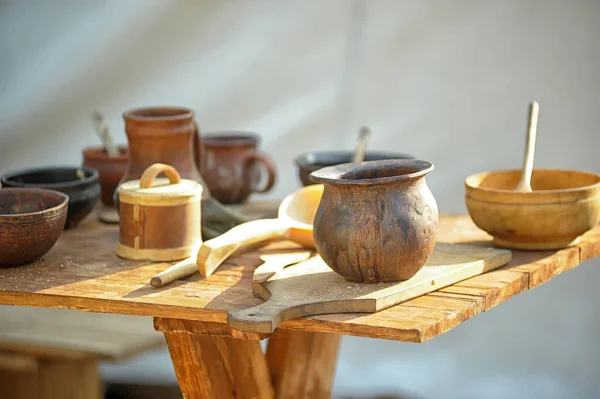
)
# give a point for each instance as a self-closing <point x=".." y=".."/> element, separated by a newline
<point x="21" y="362"/>
<point x="64" y="333"/>
<point x="219" y="367"/>
<point x="163" y="324"/>
<point x="302" y="364"/>
<point x="83" y="272"/>
<point x="69" y="379"/>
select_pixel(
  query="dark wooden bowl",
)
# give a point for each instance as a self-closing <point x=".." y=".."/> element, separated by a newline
<point x="315" y="160"/>
<point x="83" y="193"/>
<point x="31" y="220"/>
<point x="110" y="169"/>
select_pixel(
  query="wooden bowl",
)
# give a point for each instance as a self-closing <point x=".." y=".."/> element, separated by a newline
<point x="110" y="169"/>
<point x="83" y="193"/>
<point x="311" y="161"/>
<point x="31" y="220"/>
<point x="564" y="204"/>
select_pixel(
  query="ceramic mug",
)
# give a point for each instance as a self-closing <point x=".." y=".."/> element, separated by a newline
<point x="232" y="166"/>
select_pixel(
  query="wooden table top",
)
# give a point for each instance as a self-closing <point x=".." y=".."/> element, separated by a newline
<point x="83" y="272"/>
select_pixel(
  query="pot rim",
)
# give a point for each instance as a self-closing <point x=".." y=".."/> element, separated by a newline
<point x="53" y="210"/>
<point x="335" y="174"/>
<point x="137" y="114"/>
<point x="93" y="176"/>
<point x="98" y="153"/>
<point x="230" y="138"/>
<point x="311" y="159"/>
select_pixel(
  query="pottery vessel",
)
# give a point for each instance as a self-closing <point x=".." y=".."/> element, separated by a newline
<point x="233" y="167"/>
<point x="315" y="160"/>
<point x="110" y="169"/>
<point x="377" y="220"/>
<point x="564" y="205"/>
<point x="166" y="135"/>
<point x="79" y="183"/>
<point x="31" y="220"/>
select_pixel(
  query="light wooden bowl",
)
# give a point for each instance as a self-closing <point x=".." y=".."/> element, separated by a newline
<point x="564" y="204"/>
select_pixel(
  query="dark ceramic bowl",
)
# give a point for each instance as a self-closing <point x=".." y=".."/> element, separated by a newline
<point x="83" y="193"/>
<point x="311" y="161"/>
<point x="31" y="221"/>
<point x="110" y="169"/>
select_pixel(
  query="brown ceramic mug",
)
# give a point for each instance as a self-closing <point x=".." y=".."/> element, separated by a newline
<point x="232" y="166"/>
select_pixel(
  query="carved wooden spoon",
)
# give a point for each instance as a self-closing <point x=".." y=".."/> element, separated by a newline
<point x="525" y="182"/>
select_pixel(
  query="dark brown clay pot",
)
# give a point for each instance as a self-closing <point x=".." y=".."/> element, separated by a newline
<point x="83" y="191"/>
<point x="110" y="169"/>
<point x="232" y="166"/>
<point x="377" y="220"/>
<point x="166" y="135"/>
<point x="31" y="220"/>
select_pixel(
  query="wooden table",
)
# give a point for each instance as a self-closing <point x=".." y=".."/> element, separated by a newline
<point x="213" y="361"/>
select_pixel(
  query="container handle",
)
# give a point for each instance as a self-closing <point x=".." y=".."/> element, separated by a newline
<point x="155" y="170"/>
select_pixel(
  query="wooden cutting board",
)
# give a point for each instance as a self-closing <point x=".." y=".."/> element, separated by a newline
<point x="310" y="287"/>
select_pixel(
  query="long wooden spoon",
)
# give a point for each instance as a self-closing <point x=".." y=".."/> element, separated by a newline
<point x="102" y="131"/>
<point x="359" y="152"/>
<point x="525" y="182"/>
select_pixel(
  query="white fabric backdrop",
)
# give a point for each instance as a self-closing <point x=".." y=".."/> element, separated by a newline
<point x="445" y="81"/>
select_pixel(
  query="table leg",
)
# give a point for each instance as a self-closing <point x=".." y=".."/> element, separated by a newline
<point x="211" y="366"/>
<point x="302" y="364"/>
<point x="49" y="378"/>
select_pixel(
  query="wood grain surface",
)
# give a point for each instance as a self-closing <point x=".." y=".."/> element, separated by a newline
<point x="83" y="272"/>
<point x="70" y="334"/>
<point x="311" y="288"/>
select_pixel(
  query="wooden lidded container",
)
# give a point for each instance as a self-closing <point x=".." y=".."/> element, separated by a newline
<point x="159" y="217"/>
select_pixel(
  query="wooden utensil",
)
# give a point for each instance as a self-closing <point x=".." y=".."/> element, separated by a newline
<point x="311" y="288"/>
<point x="105" y="137"/>
<point x="359" y="152"/>
<point x="525" y="182"/>
<point x="294" y="222"/>
<point x="159" y="218"/>
<point x="274" y="262"/>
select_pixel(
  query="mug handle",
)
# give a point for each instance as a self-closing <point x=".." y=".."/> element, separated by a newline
<point x="199" y="150"/>
<point x="269" y="165"/>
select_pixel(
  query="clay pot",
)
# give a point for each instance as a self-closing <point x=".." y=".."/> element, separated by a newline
<point x="83" y="191"/>
<point x="166" y="135"/>
<point x="31" y="220"/>
<point x="315" y="160"/>
<point x="110" y="169"/>
<point x="232" y="166"/>
<point x="377" y="220"/>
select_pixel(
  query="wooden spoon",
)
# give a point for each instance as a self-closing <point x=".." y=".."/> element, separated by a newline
<point x="102" y="130"/>
<point x="359" y="152"/>
<point x="525" y="182"/>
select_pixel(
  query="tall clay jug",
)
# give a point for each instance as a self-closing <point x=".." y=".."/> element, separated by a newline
<point x="165" y="135"/>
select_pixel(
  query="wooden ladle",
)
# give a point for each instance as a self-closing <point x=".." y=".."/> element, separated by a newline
<point x="525" y="182"/>
<point x="294" y="222"/>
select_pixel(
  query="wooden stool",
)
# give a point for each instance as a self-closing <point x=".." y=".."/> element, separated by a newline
<point x="54" y="353"/>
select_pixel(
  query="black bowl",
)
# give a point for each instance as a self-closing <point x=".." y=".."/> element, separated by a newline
<point x="83" y="193"/>
<point x="315" y="160"/>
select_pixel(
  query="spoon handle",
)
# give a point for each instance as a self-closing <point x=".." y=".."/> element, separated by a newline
<point x="359" y="152"/>
<point x="534" y="110"/>
<point x="102" y="130"/>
